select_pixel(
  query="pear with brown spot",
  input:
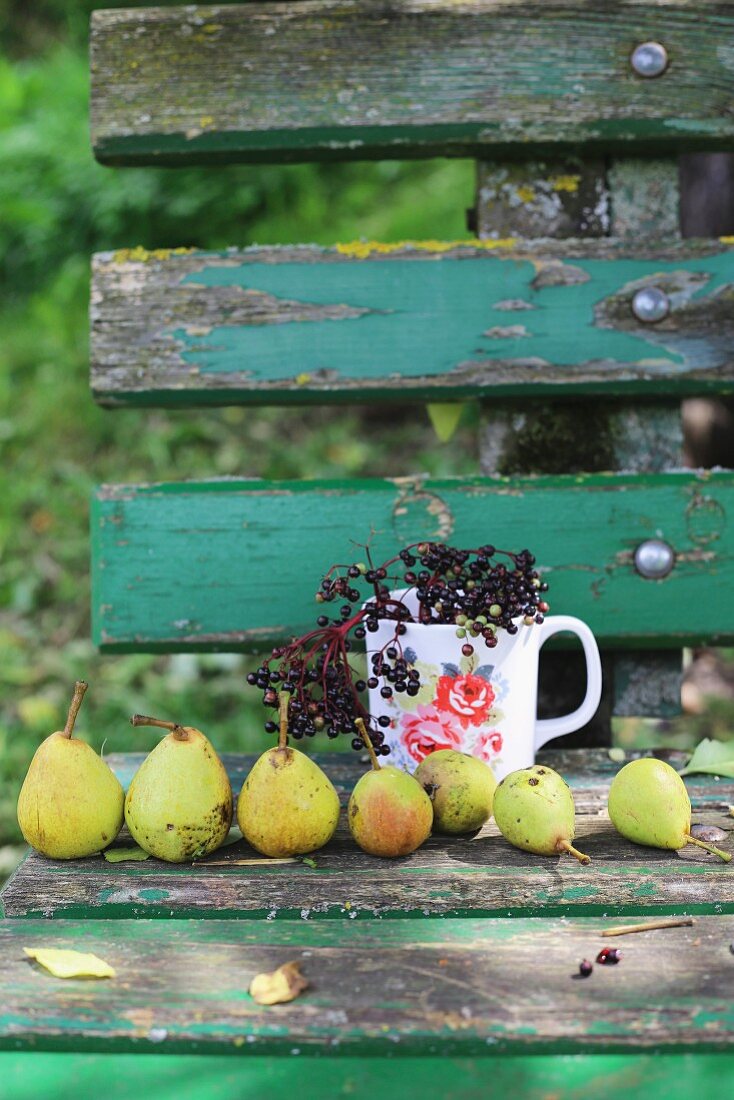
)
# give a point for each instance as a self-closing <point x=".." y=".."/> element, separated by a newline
<point x="287" y="806"/>
<point x="179" y="805"/>
<point x="389" y="813"/>
<point x="534" y="810"/>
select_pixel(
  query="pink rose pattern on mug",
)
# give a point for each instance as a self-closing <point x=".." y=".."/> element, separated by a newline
<point x="458" y="707"/>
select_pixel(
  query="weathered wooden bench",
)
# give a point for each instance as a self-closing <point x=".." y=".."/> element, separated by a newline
<point x="579" y="318"/>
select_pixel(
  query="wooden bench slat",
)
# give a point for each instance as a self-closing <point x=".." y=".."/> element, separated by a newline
<point x="400" y="987"/>
<point x="354" y="78"/>
<point x="225" y="564"/>
<point x="447" y="877"/>
<point x="391" y="322"/>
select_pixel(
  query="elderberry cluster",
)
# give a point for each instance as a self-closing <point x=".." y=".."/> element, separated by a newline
<point x="465" y="588"/>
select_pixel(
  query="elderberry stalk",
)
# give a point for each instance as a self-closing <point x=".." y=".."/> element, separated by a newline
<point x="469" y="589"/>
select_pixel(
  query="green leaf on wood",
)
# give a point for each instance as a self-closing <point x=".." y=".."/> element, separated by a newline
<point x="445" y="419"/>
<point x="711" y="758"/>
<point x="121" y="855"/>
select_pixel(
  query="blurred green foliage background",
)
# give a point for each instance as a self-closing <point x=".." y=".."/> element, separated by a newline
<point x="57" y="207"/>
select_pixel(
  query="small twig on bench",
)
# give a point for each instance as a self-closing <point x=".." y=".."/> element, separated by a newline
<point x="243" y="862"/>
<point x="623" y="929"/>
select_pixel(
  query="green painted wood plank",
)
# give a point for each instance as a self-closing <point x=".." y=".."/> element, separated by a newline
<point x="448" y="988"/>
<point x="218" y="1077"/>
<point x="32" y="1074"/>
<point x="410" y="322"/>
<point x="352" y="78"/>
<point x="233" y="564"/>
<point x="447" y="877"/>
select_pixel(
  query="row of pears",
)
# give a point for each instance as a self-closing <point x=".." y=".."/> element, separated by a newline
<point x="179" y="805"/>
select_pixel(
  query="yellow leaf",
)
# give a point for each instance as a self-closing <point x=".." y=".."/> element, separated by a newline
<point x="445" y="419"/>
<point x="70" y="964"/>
<point x="122" y="855"/>
<point x="283" y="984"/>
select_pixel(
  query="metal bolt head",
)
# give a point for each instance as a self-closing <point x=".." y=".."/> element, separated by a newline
<point x="649" y="59"/>
<point x="650" y="304"/>
<point x="654" y="559"/>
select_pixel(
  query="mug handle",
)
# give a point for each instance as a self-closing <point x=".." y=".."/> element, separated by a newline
<point x="547" y="728"/>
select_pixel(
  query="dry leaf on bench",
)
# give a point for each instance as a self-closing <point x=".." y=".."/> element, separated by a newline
<point x="121" y="855"/>
<point x="284" y="984"/>
<point x="70" y="964"/>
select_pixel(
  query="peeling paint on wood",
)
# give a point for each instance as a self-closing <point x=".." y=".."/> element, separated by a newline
<point x="253" y="543"/>
<point x="408" y="988"/>
<point x="354" y="78"/>
<point x="295" y="325"/>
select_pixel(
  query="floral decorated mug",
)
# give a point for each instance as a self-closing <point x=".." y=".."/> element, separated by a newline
<point x="485" y="703"/>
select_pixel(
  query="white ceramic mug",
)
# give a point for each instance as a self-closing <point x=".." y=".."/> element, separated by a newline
<point x="484" y="703"/>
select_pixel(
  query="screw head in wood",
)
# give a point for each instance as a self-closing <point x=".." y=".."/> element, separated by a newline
<point x="649" y="59"/>
<point x="654" y="559"/>
<point x="650" y="304"/>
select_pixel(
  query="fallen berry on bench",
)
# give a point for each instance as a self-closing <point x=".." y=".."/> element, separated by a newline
<point x="278" y="986"/>
<point x="649" y="805"/>
<point x="585" y="968"/>
<point x="534" y="810"/>
<point x="609" y="956"/>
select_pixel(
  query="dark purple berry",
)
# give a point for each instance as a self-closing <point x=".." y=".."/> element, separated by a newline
<point x="585" y="968"/>
<point x="467" y="650"/>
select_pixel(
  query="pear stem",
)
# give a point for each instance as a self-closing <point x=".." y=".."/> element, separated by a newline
<point x="80" y="688"/>
<point x="179" y="733"/>
<point x="284" y="701"/>
<point x="726" y="856"/>
<point x="567" y="846"/>
<point x="367" y="742"/>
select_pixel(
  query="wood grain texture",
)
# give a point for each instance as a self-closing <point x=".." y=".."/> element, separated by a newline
<point x="225" y="564"/>
<point x="447" y="877"/>
<point x="398" y="988"/>
<point x="400" y="322"/>
<point x="358" y="78"/>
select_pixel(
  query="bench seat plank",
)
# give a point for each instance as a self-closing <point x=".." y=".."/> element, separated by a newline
<point x="221" y="564"/>
<point x="405" y="322"/>
<point x="354" y="78"/>
<point x="34" y="1073"/>
<point x="464" y="987"/>
<point x="455" y="877"/>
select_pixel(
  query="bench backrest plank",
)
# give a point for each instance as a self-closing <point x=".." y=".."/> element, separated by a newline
<point x="224" y="564"/>
<point x="349" y="78"/>
<point x="362" y="321"/>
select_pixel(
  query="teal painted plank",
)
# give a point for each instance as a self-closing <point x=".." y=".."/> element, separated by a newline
<point x="454" y="988"/>
<point x="211" y="1077"/>
<point x="179" y="85"/>
<point x="362" y="321"/>
<point x="234" y="564"/>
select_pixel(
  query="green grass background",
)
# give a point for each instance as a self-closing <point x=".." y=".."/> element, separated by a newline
<point x="56" y="207"/>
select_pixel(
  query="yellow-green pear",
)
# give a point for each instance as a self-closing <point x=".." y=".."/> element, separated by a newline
<point x="461" y="788"/>
<point x="649" y="804"/>
<point x="287" y="806"/>
<point x="534" y="810"/>
<point x="179" y="805"/>
<point x="389" y="813"/>
<point x="70" y="804"/>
